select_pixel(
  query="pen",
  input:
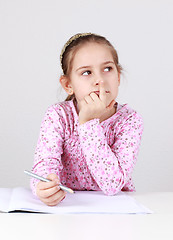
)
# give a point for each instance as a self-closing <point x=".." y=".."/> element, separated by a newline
<point x="47" y="180"/>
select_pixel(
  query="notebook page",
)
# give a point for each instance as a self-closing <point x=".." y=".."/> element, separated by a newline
<point x="5" y="196"/>
<point x="79" y="203"/>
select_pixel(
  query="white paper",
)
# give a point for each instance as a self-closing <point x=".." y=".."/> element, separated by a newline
<point x="81" y="202"/>
<point x="5" y="196"/>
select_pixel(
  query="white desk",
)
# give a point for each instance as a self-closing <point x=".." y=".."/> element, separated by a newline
<point x="158" y="225"/>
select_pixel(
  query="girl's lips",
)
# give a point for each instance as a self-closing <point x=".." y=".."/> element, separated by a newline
<point x="98" y="92"/>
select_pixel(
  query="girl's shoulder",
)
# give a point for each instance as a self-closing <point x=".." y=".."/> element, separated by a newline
<point x="125" y="112"/>
<point x="64" y="105"/>
<point x="63" y="109"/>
<point x="125" y="109"/>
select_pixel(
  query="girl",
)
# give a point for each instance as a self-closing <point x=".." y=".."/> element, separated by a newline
<point x="89" y="141"/>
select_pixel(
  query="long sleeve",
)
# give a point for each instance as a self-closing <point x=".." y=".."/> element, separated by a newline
<point x="49" y="147"/>
<point x="111" y="165"/>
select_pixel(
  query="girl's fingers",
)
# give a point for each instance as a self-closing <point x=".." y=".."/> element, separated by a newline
<point x="55" y="198"/>
<point x="111" y="105"/>
<point x="49" y="192"/>
<point x="46" y="185"/>
<point x="88" y="99"/>
<point x="102" y="94"/>
<point x="54" y="203"/>
<point x="53" y="177"/>
<point x="94" y="97"/>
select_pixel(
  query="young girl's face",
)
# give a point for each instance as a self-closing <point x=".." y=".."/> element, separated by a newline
<point x="93" y="63"/>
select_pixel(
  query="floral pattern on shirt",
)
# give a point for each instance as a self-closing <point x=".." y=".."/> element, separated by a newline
<point x="91" y="156"/>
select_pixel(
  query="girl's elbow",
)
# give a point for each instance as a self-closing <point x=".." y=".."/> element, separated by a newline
<point x="111" y="191"/>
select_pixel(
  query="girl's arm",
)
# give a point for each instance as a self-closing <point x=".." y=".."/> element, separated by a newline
<point x="48" y="152"/>
<point x="111" y="166"/>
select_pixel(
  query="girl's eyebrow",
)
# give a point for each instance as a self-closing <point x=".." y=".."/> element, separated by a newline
<point x="107" y="62"/>
<point x="82" y="67"/>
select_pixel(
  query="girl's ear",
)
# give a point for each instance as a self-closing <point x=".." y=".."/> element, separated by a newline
<point x="65" y="83"/>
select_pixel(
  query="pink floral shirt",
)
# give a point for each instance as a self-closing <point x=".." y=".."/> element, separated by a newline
<point x="91" y="156"/>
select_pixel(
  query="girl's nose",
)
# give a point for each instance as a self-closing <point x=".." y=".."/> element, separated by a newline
<point x="96" y="83"/>
<point x="97" y="80"/>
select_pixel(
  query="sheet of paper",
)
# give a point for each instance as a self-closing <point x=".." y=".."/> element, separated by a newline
<point x="5" y="196"/>
<point x="81" y="202"/>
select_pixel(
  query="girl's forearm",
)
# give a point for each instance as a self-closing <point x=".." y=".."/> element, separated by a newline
<point x="112" y="166"/>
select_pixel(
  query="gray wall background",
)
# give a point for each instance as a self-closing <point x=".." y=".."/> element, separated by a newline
<point x="32" y="34"/>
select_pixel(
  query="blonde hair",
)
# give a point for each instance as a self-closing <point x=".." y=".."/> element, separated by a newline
<point x="74" y="43"/>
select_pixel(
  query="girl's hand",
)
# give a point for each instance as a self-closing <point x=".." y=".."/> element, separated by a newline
<point x="50" y="192"/>
<point x="94" y="106"/>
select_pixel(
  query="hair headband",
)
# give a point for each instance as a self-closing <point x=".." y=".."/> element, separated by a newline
<point x="73" y="38"/>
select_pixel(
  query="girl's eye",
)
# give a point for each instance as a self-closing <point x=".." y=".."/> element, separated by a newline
<point x="86" y="73"/>
<point x="107" y="69"/>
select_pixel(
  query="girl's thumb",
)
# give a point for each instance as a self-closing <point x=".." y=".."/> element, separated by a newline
<point x="53" y="177"/>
